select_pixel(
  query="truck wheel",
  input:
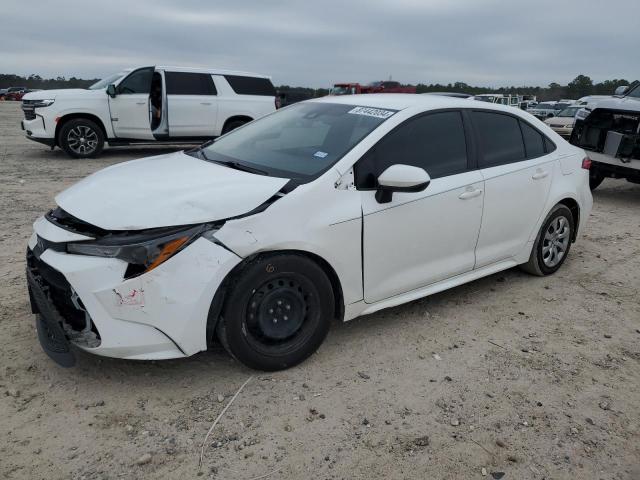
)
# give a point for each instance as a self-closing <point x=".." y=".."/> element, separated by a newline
<point x="81" y="138"/>
<point x="595" y="179"/>
<point x="232" y="126"/>
<point x="277" y="313"/>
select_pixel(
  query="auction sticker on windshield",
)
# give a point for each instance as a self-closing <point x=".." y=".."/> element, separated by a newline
<point x="372" y="112"/>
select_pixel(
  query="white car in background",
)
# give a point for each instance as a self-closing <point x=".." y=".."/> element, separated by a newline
<point x="173" y="105"/>
<point x="564" y="120"/>
<point x="327" y="209"/>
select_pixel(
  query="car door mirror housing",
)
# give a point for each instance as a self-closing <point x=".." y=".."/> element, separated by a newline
<point x="401" y="178"/>
<point x="111" y="90"/>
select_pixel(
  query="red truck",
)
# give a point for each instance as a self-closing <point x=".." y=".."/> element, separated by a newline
<point x="374" y="87"/>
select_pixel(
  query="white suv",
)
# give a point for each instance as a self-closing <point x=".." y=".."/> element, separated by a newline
<point x="147" y="104"/>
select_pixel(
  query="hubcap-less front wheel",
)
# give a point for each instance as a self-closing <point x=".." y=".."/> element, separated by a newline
<point x="556" y="241"/>
<point x="279" y="313"/>
<point x="82" y="140"/>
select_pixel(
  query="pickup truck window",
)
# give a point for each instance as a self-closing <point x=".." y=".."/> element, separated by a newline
<point x="188" y="83"/>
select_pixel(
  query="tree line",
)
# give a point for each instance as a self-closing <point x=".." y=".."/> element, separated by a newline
<point x="580" y="86"/>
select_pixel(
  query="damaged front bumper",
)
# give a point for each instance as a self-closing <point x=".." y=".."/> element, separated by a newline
<point x="86" y="302"/>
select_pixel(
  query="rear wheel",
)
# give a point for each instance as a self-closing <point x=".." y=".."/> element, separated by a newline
<point x="278" y="311"/>
<point x="81" y="138"/>
<point x="553" y="243"/>
<point x="232" y="125"/>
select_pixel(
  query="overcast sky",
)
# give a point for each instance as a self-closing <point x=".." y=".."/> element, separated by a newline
<point x="480" y="42"/>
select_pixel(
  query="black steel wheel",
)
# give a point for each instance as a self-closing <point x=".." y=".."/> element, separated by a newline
<point x="278" y="311"/>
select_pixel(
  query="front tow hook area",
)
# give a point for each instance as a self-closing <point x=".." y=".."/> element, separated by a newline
<point x="49" y="326"/>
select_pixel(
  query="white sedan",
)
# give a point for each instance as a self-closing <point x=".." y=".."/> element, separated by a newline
<point x="328" y="209"/>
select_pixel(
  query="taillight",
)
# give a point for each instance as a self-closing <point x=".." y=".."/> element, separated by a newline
<point x="586" y="163"/>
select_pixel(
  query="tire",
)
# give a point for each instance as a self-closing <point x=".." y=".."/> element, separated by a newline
<point x="81" y="138"/>
<point x="232" y="126"/>
<point x="277" y="313"/>
<point x="595" y="179"/>
<point x="557" y="230"/>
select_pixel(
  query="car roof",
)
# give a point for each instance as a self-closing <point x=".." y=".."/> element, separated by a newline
<point x="401" y="101"/>
<point x="213" y="71"/>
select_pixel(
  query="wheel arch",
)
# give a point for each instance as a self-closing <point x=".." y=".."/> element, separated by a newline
<point x="243" y="118"/>
<point x="572" y="205"/>
<point x="217" y="303"/>
<point x="71" y="116"/>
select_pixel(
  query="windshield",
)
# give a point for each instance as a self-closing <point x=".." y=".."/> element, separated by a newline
<point x="569" y="112"/>
<point x="104" y="83"/>
<point x="634" y="92"/>
<point x="298" y="142"/>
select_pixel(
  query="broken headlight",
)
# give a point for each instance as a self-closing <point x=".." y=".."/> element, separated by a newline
<point x="144" y="250"/>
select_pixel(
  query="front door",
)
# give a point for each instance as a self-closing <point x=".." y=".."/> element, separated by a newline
<point x="130" y="107"/>
<point x="517" y="166"/>
<point x="424" y="237"/>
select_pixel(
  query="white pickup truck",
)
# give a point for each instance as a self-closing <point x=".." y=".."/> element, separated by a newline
<point x="147" y="105"/>
<point x="609" y="131"/>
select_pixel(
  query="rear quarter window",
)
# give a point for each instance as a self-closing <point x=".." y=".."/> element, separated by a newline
<point x="251" y="85"/>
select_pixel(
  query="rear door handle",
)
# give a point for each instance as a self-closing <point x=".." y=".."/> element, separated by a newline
<point x="470" y="194"/>
<point x="540" y="174"/>
<point x="141" y="103"/>
<point x="205" y="103"/>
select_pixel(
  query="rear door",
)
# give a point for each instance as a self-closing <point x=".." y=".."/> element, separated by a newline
<point x="192" y="104"/>
<point x="517" y="163"/>
<point x="130" y="107"/>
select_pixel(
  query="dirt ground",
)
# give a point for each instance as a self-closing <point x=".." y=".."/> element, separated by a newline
<point x="514" y="376"/>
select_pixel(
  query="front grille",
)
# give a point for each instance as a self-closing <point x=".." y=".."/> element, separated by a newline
<point x="28" y="109"/>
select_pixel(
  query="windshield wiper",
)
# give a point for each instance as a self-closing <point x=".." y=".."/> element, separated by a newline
<point x="238" y="166"/>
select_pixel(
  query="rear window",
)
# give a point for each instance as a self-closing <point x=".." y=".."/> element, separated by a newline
<point x="533" y="141"/>
<point x="251" y="85"/>
<point x="188" y="83"/>
<point x="500" y="138"/>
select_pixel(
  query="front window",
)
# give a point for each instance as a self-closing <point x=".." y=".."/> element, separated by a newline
<point x="298" y="142"/>
<point x="105" y="82"/>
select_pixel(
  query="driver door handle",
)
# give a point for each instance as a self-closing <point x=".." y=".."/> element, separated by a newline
<point x="470" y="194"/>
<point x="141" y="103"/>
<point x="540" y="174"/>
<point x="205" y="103"/>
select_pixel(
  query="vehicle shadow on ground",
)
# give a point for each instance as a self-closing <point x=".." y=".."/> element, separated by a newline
<point x="217" y="363"/>
<point x="629" y="194"/>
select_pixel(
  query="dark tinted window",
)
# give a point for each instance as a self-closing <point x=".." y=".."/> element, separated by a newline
<point x="137" y="82"/>
<point x="499" y="137"/>
<point x="251" y="85"/>
<point x="533" y="141"/>
<point x="549" y="145"/>
<point x="435" y="142"/>
<point x="188" y="83"/>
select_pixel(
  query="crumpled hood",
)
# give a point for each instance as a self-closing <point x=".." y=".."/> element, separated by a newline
<point x="166" y="190"/>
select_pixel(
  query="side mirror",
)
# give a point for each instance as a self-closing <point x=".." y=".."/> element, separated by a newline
<point x="401" y="178"/>
<point x="621" y="90"/>
<point x="111" y="90"/>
